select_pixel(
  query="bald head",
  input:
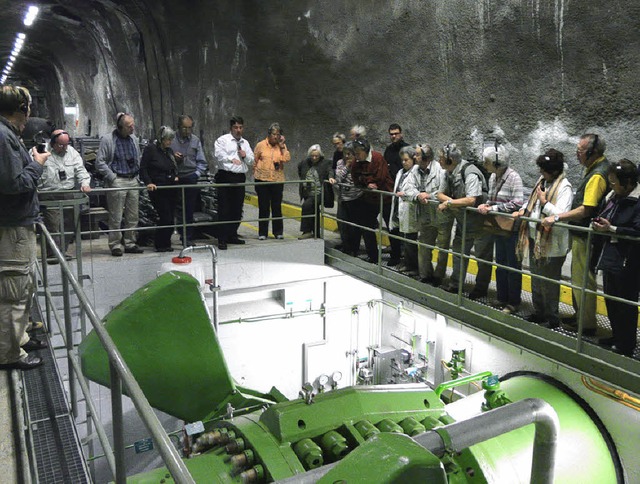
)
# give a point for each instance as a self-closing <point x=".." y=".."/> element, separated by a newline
<point x="59" y="141"/>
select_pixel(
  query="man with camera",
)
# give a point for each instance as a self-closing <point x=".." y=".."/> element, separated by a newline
<point x="64" y="170"/>
<point x="118" y="162"/>
<point x="19" y="174"/>
<point x="234" y="156"/>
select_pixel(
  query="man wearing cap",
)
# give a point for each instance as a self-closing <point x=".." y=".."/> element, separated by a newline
<point x="118" y="162"/>
<point x="63" y="170"/>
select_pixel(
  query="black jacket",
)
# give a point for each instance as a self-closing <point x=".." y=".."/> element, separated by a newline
<point x="158" y="166"/>
<point x="324" y="172"/>
<point x="613" y="254"/>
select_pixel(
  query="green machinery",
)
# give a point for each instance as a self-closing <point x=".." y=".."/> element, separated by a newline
<point x="391" y="433"/>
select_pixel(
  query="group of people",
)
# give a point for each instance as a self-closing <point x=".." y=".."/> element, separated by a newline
<point x="420" y="194"/>
<point x="429" y="193"/>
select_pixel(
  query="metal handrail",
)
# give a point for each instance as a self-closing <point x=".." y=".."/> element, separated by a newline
<point x="120" y="374"/>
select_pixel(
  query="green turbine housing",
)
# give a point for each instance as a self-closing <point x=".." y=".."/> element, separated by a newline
<point x="164" y="334"/>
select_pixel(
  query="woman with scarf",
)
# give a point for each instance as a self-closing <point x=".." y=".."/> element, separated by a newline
<point x="617" y="258"/>
<point x="158" y="168"/>
<point x="547" y="247"/>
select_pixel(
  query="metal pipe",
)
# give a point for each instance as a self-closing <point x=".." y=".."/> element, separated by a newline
<point x="464" y="434"/>
<point x="169" y="454"/>
<point x="68" y="330"/>
<point x="461" y="381"/>
<point x="92" y="414"/>
<point x="118" y="424"/>
<point x="214" y="278"/>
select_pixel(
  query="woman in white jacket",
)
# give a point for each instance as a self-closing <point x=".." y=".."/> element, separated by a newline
<point x="547" y="247"/>
<point x="404" y="212"/>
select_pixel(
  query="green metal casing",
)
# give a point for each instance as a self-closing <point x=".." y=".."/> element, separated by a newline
<point x="165" y="336"/>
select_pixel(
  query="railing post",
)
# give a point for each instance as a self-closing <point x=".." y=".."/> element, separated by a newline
<point x="68" y="330"/>
<point x="381" y="221"/>
<point x="117" y="422"/>
<point x="183" y="209"/>
<point x="45" y="278"/>
<point x="463" y="272"/>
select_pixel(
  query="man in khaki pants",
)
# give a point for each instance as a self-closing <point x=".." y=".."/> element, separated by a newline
<point x="19" y="174"/>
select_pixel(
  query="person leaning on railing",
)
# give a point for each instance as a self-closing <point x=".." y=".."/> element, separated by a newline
<point x="347" y="194"/>
<point x="506" y="196"/>
<point x="547" y="247"/>
<point x="617" y="258"/>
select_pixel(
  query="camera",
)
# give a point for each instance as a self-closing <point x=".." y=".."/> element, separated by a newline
<point x="41" y="147"/>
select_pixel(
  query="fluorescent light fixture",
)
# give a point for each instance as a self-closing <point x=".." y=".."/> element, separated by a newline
<point x="31" y="15"/>
<point x="10" y="63"/>
<point x="22" y="36"/>
<point x="12" y="57"/>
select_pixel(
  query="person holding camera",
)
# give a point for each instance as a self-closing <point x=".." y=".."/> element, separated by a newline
<point x="19" y="174"/>
<point x="63" y="170"/>
<point x="271" y="154"/>
<point x="616" y="257"/>
<point x="118" y="162"/>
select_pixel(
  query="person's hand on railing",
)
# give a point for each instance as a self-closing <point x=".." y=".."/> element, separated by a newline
<point x="151" y="187"/>
<point x="332" y="181"/>
<point x="484" y="209"/>
<point x="372" y="186"/>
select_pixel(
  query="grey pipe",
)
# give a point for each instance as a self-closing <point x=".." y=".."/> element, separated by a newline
<point x="214" y="278"/>
<point x="483" y="427"/>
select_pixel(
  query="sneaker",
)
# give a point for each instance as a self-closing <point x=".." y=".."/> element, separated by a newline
<point x="262" y="237"/>
<point x="393" y="262"/>
<point x="279" y="236"/>
<point x="306" y="235"/>
<point x="117" y="252"/>
<point x="134" y="249"/>
<point x="510" y="309"/>
<point x="410" y="272"/>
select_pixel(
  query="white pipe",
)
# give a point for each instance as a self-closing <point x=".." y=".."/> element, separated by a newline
<point x="214" y="278"/>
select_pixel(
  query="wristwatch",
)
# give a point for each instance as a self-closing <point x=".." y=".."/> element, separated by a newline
<point x="449" y="202"/>
<point x="556" y="218"/>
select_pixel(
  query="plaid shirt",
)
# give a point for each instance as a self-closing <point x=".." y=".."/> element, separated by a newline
<point x="125" y="160"/>
<point x="506" y="194"/>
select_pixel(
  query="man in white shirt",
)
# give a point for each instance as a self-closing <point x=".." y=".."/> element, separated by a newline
<point x="234" y="156"/>
<point x="63" y="170"/>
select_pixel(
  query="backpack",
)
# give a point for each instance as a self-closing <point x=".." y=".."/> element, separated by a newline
<point x="480" y="173"/>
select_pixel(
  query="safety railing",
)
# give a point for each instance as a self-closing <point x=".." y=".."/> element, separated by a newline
<point x="582" y="289"/>
<point x="181" y="225"/>
<point x="120" y="375"/>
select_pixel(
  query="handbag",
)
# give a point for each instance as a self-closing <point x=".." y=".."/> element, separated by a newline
<point x="503" y="226"/>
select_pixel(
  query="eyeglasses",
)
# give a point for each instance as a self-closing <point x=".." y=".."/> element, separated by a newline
<point x="395" y="134"/>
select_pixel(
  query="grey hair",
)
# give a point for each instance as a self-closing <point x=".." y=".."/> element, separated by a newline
<point x="166" y="133"/>
<point x="451" y="151"/>
<point x="409" y="150"/>
<point x="359" y="131"/>
<point x="339" y="136"/>
<point x="498" y="156"/>
<point x="273" y="127"/>
<point x="598" y="147"/>
<point x="313" y="148"/>
<point x="426" y="150"/>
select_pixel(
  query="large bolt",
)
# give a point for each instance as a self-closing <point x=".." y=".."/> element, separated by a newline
<point x="309" y="453"/>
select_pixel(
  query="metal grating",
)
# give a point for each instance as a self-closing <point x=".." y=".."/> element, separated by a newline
<point x="56" y="453"/>
<point x="56" y="449"/>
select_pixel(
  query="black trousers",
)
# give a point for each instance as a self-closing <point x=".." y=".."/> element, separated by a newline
<point x="191" y="196"/>
<point x="310" y="206"/>
<point x="269" y="205"/>
<point x="164" y="201"/>
<point x="230" y="203"/>
<point x="365" y="214"/>
<point x="623" y="317"/>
